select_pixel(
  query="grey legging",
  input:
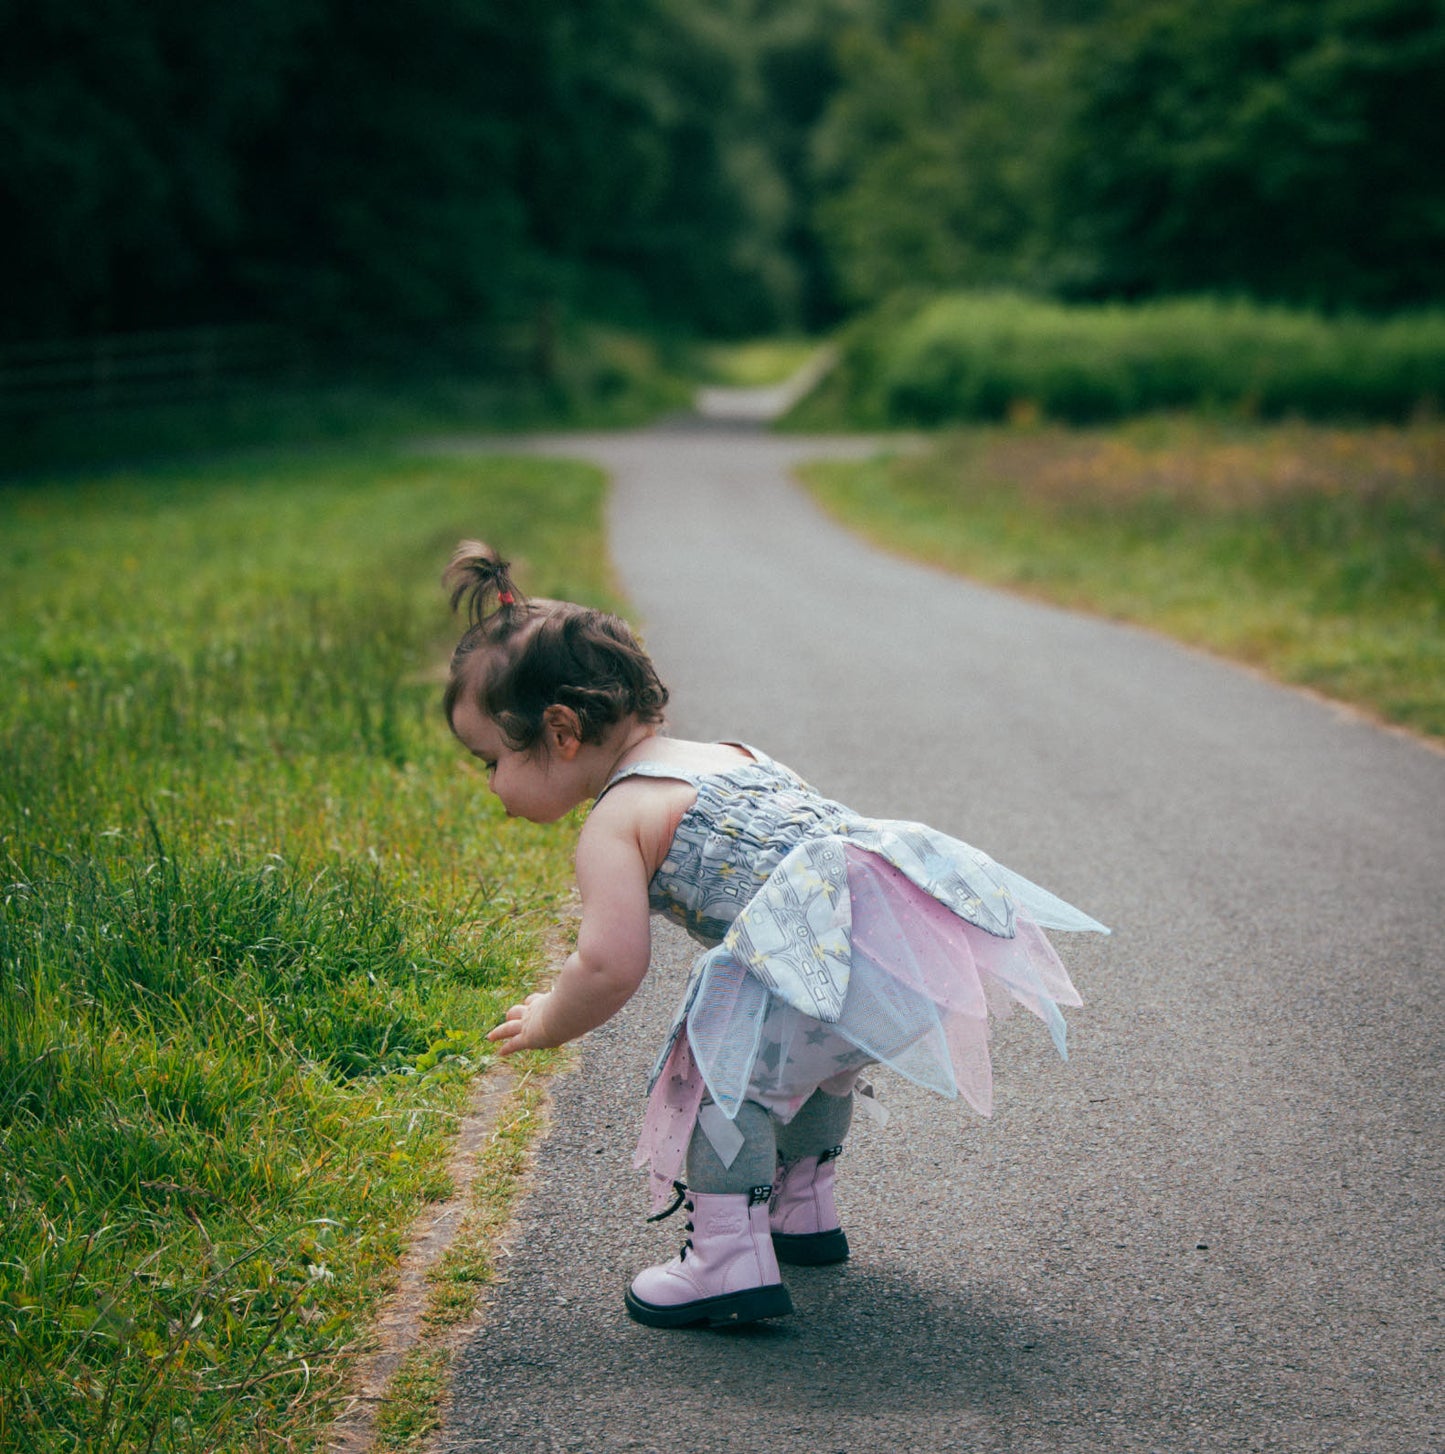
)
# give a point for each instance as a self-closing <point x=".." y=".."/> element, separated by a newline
<point x="820" y="1125"/>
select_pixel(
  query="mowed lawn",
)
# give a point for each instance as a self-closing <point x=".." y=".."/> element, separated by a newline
<point x="1314" y="553"/>
<point x="258" y="912"/>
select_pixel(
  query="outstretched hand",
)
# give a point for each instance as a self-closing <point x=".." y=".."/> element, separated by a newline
<point x="522" y="1029"/>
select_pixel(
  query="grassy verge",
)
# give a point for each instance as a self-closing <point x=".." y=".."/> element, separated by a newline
<point x="1316" y="554"/>
<point x="256" y="912"/>
<point x="412" y="1407"/>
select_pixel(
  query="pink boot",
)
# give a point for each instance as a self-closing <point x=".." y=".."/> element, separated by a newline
<point x="725" y="1274"/>
<point x="803" y="1218"/>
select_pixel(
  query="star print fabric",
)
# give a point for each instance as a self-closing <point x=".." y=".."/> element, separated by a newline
<point x="837" y="942"/>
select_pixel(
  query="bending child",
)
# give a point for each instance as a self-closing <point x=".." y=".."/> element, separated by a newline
<point x="834" y="942"/>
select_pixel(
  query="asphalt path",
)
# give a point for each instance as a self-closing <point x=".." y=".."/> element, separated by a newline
<point x="1218" y="1226"/>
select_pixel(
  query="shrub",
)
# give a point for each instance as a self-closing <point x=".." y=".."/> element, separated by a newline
<point x="994" y="356"/>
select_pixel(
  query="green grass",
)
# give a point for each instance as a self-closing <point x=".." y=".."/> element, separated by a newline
<point x="757" y="363"/>
<point x="256" y="913"/>
<point x="410" y="1407"/>
<point x="990" y="357"/>
<point x="1316" y="554"/>
<point x="468" y="1263"/>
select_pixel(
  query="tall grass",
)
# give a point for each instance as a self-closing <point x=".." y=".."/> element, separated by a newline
<point x="1317" y="554"/>
<point x="970" y="357"/>
<point x="256" y="912"/>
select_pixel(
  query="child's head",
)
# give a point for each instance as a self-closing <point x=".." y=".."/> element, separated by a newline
<point x="519" y="657"/>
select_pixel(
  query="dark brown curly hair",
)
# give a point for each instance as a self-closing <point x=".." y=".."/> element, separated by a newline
<point x="520" y="656"/>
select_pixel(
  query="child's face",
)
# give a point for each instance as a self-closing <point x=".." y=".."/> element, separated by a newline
<point x="534" y="785"/>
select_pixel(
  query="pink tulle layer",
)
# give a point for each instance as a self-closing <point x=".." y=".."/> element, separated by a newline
<point x="921" y="986"/>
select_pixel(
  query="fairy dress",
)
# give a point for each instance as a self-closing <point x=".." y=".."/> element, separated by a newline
<point x="835" y="942"/>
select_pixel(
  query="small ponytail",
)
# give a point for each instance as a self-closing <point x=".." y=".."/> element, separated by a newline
<point x="518" y="656"/>
<point x="477" y="574"/>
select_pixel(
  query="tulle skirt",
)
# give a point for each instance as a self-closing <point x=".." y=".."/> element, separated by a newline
<point x="847" y="961"/>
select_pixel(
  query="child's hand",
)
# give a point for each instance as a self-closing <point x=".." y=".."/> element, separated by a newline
<point x="522" y="1029"/>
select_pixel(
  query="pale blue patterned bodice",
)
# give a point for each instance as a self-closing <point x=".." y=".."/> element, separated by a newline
<point x="758" y="871"/>
<point x="745" y="821"/>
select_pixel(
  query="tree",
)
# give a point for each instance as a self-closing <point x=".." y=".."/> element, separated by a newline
<point x="382" y="197"/>
<point x="1290" y="150"/>
<point x="639" y="177"/>
<point x="933" y="155"/>
<point x="119" y="124"/>
<point x="368" y="171"/>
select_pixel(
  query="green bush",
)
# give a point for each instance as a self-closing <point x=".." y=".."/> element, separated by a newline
<point x="998" y="356"/>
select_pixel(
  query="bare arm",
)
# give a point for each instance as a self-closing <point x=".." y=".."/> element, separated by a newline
<point x="613" y="944"/>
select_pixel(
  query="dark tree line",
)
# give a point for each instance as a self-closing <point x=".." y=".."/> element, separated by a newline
<point x="1284" y="149"/>
<point x="360" y="163"/>
<point x="726" y="165"/>
<point x="1290" y="150"/>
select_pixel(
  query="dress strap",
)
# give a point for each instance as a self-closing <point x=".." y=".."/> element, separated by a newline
<point x="758" y="756"/>
<point x="646" y="768"/>
<point x="651" y="769"/>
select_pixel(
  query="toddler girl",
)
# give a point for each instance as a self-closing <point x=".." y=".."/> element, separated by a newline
<point x="835" y="942"/>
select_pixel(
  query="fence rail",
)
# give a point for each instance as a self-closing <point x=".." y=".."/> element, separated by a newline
<point x="118" y="371"/>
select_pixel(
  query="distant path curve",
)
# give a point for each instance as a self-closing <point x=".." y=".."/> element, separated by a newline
<point x="1218" y="1227"/>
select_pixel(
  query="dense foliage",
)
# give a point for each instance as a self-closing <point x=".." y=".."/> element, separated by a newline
<point x="1290" y="150"/>
<point x="1107" y="148"/>
<point x="453" y="167"/>
<point x="973" y="356"/>
<point x="348" y="165"/>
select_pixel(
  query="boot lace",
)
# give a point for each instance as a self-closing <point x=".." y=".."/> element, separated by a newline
<point x="679" y="1200"/>
<point x="680" y="1189"/>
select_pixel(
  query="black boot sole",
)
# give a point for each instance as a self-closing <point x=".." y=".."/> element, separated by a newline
<point x="730" y="1310"/>
<point x="811" y="1249"/>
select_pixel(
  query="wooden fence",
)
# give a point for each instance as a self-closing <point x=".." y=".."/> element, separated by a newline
<point x="123" y="371"/>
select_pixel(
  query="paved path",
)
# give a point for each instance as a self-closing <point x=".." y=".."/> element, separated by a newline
<point x="1218" y="1227"/>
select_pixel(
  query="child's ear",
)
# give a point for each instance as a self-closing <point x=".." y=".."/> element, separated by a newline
<point x="564" y="731"/>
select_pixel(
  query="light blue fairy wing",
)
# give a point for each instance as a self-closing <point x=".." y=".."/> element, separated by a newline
<point x="793" y="934"/>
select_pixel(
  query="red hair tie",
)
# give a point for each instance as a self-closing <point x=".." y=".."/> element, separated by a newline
<point x="506" y="598"/>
